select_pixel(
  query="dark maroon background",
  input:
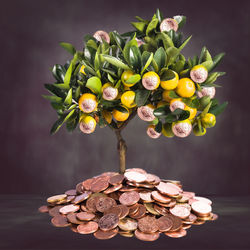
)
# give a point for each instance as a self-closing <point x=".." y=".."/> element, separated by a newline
<point x="34" y="162"/>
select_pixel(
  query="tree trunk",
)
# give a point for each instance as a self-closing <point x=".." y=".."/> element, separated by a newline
<point x="122" y="148"/>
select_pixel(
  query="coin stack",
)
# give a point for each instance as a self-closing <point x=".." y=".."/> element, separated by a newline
<point x="136" y="204"/>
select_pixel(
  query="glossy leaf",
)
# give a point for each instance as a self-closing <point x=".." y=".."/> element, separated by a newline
<point x="139" y="26"/>
<point x="147" y="58"/>
<point x="121" y="109"/>
<point x="167" y="41"/>
<point x="162" y="111"/>
<point x="54" y="90"/>
<point x="52" y="98"/>
<point x="208" y="65"/>
<point x="172" y="53"/>
<point x="141" y="96"/>
<point x="118" y="39"/>
<point x="94" y="84"/>
<point x="167" y="74"/>
<point x="134" y="79"/>
<point x="185" y="42"/>
<point x="152" y="25"/>
<point x="135" y="58"/>
<point x="159" y="15"/>
<point x="216" y="60"/>
<point x="181" y="20"/>
<point x="218" y="109"/>
<point x="68" y="74"/>
<point x="116" y="62"/>
<point x="173" y="95"/>
<point x="160" y="58"/>
<point x="58" y="72"/>
<point x="158" y="127"/>
<point x="68" y="99"/>
<point x="127" y="47"/>
<point x="69" y="47"/>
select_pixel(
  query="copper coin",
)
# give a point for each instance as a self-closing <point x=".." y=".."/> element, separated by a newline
<point x="166" y="188"/>
<point x="109" y="174"/>
<point x="126" y="234"/>
<point x="127" y="224"/>
<point x="141" y="184"/>
<point x="43" y="209"/>
<point x="69" y="209"/>
<point x="190" y="195"/>
<point x="114" y="195"/>
<point x="214" y="216"/>
<point x="191" y="200"/>
<point x="201" y="208"/>
<point x="164" y="223"/>
<point x="161" y="210"/>
<point x="73" y="228"/>
<point x="87" y="183"/>
<point x="180" y="211"/>
<point x="79" y="188"/>
<point x="133" y="209"/>
<point x="70" y="198"/>
<point x="146" y="196"/>
<point x="159" y="197"/>
<point x="114" y="210"/>
<point x="71" y="192"/>
<point x="60" y="221"/>
<point x="113" y="189"/>
<point x="139" y="170"/>
<point x="71" y="217"/>
<point x="203" y="199"/>
<point x="148" y="224"/>
<point x="97" y="217"/>
<point x="140" y="213"/>
<point x="170" y="204"/>
<point x="177" y="234"/>
<point x="99" y="184"/>
<point x="146" y="236"/>
<point x="80" y="198"/>
<point x="150" y="208"/>
<point x="87" y="228"/>
<point x="104" y="203"/>
<point x="55" y="211"/>
<point x="135" y="176"/>
<point x="124" y="211"/>
<point x="84" y="208"/>
<point x="205" y="218"/>
<point x="116" y="179"/>
<point x="90" y="204"/>
<point x="175" y="185"/>
<point x="183" y="199"/>
<point x="128" y="189"/>
<point x="86" y="216"/>
<point x="108" y="222"/>
<point x="199" y="222"/>
<point x="151" y="178"/>
<point x="57" y="198"/>
<point x="129" y="198"/>
<point x="186" y="226"/>
<point x="190" y="219"/>
<point x="105" y="235"/>
<point x="177" y="222"/>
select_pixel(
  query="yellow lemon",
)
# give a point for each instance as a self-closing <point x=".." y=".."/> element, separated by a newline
<point x="208" y="121"/>
<point x="121" y="116"/>
<point x="125" y="76"/>
<point x="165" y="96"/>
<point x="199" y="73"/>
<point x="170" y="84"/>
<point x="176" y="103"/>
<point x="128" y="99"/>
<point x="185" y="87"/>
<point x="82" y="69"/>
<point x="197" y="132"/>
<point x="87" y="124"/>
<point x="88" y="103"/>
<point x="192" y="111"/>
<point x="151" y="80"/>
<point x="107" y="116"/>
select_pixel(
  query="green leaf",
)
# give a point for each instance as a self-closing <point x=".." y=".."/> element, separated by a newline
<point x="69" y="47"/>
<point x="142" y="20"/>
<point x="158" y="127"/>
<point x="185" y="42"/>
<point x="205" y="56"/>
<point x="135" y="58"/>
<point x="160" y="57"/>
<point x="68" y="74"/>
<point x="116" y="62"/>
<point x="181" y="114"/>
<point x="94" y="84"/>
<point x="56" y="126"/>
<point x="218" y="109"/>
<point x="167" y="74"/>
<point x="159" y="15"/>
<point x="152" y="25"/>
<point x="179" y="66"/>
<point x="141" y="96"/>
<point x="162" y="111"/>
<point x="72" y="122"/>
<point x="203" y="50"/>
<point x="167" y="41"/>
<point x="170" y="118"/>
<point x="58" y="72"/>
<point x="121" y="109"/>
<point x="205" y="111"/>
<point x="191" y="103"/>
<point x="208" y="65"/>
<point x="52" y="98"/>
<point x="77" y="93"/>
<point x="172" y="53"/>
<point x="68" y="99"/>
<point x="120" y="42"/>
<point x="213" y="77"/>
<point x="134" y="79"/>
<point x="127" y="47"/>
<point x="216" y="60"/>
<point x="147" y="58"/>
<point x="181" y="20"/>
<point x="54" y="90"/>
<point x="173" y="95"/>
<point x="139" y="26"/>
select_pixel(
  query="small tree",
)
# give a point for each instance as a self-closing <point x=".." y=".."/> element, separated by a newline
<point x="143" y="72"/>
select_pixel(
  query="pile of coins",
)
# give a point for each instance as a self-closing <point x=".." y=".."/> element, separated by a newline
<point x="134" y="204"/>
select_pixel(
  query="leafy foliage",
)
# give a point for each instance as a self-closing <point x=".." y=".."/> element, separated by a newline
<point x="144" y="49"/>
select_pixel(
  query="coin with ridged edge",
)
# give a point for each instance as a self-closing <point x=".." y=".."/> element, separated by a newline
<point x="146" y="236"/>
<point x="106" y="235"/>
<point x="88" y="227"/>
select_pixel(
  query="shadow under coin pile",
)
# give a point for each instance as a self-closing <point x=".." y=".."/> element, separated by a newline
<point x="134" y="204"/>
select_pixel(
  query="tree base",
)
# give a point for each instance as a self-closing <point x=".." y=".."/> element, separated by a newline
<point x="134" y="204"/>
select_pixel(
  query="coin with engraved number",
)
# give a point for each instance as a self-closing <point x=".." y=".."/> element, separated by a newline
<point x="129" y="198"/>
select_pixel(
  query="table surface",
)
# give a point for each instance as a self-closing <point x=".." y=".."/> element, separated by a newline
<point x="23" y="227"/>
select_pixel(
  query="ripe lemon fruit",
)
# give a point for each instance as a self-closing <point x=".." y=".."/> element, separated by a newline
<point x="125" y="76"/>
<point x="82" y="69"/>
<point x="109" y="92"/>
<point x="185" y="87"/>
<point x="88" y="103"/>
<point x="151" y="80"/>
<point x="87" y="124"/>
<point x="192" y="111"/>
<point x="120" y="116"/>
<point x="165" y="96"/>
<point x="199" y="73"/>
<point x="128" y="99"/>
<point x="176" y="103"/>
<point x="170" y="84"/>
<point x="208" y="121"/>
<point x="107" y="116"/>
